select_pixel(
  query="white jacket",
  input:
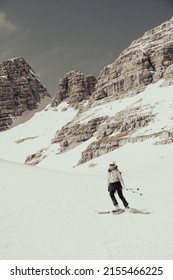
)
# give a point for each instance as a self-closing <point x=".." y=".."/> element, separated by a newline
<point x="115" y="176"/>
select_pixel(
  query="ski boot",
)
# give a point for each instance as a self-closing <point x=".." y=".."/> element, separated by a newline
<point x="117" y="208"/>
<point x="127" y="207"/>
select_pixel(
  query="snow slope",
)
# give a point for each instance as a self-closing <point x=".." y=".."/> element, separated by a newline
<point x="37" y="133"/>
<point x="48" y="212"/>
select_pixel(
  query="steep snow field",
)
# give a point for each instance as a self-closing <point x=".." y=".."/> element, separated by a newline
<point x="38" y="132"/>
<point x="48" y="211"/>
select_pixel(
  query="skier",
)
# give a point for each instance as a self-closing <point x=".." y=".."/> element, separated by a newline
<point x="116" y="184"/>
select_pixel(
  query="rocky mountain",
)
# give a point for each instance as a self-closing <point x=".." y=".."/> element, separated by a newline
<point x="74" y="88"/>
<point x="146" y="61"/>
<point x="125" y="104"/>
<point x="20" y="91"/>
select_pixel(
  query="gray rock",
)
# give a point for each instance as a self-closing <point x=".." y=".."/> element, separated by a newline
<point x="74" y="88"/>
<point x="20" y="90"/>
<point x="72" y="135"/>
<point x="143" y="62"/>
<point x="123" y="125"/>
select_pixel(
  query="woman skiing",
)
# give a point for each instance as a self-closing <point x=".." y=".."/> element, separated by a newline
<point x="116" y="184"/>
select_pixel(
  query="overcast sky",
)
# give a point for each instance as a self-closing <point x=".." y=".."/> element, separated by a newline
<point x="57" y="36"/>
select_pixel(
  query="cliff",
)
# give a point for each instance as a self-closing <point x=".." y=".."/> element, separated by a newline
<point x="20" y="91"/>
<point x="74" y="88"/>
<point x="146" y="61"/>
<point x="125" y="104"/>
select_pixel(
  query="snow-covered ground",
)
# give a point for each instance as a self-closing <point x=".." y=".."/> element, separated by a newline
<point x="36" y="133"/>
<point x="28" y="138"/>
<point x="48" y="214"/>
<point x="48" y="211"/>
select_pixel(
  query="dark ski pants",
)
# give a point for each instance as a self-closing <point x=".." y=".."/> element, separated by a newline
<point x="116" y="187"/>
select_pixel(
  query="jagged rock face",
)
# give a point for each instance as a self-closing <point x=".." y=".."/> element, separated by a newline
<point x="145" y="61"/>
<point x="72" y="135"/>
<point x="121" y="126"/>
<point x="74" y="88"/>
<point x="20" y="90"/>
<point x="108" y="144"/>
<point x="168" y="76"/>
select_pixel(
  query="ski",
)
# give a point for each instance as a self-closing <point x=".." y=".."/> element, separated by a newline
<point x="139" y="211"/>
<point x="103" y="212"/>
<point x="120" y="211"/>
<point x="129" y="210"/>
<point x="111" y="212"/>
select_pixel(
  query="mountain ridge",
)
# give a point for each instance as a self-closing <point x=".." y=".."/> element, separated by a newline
<point x="146" y="60"/>
<point x="123" y="105"/>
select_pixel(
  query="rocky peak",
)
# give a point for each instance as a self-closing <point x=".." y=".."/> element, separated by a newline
<point x="143" y="62"/>
<point x="74" y="88"/>
<point x="20" y="90"/>
<point x="147" y="60"/>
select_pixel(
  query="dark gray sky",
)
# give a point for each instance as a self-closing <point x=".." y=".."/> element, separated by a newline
<point x="57" y="36"/>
